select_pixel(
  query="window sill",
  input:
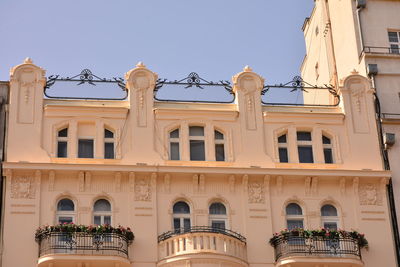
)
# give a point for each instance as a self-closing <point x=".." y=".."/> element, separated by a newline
<point x="308" y="165"/>
<point x="199" y="163"/>
<point x="85" y="161"/>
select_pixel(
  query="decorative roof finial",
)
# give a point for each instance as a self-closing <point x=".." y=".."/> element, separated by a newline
<point x="28" y="60"/>
<point x="354" y="72"/>
<point x="140" y="65"/>
<point x="247" y="69"/>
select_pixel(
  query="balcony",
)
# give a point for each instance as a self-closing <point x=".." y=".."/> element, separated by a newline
<point x="381" y="51"/>
<point x="202" y="244"/>
<point x="58" y="249"/>
<point x="296" y="251"/>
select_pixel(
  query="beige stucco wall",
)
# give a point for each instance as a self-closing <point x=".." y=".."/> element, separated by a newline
<point x="142" y="184"/>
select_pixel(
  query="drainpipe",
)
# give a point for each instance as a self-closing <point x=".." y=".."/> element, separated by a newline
<point x="372" y="70"/>
<point x="361" y="4"/>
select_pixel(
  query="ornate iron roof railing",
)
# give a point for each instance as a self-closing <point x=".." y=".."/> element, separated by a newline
<point x="344" y="247"/>
<point x="109" y="244"/>
<point x="298" y="84"/>
<point x="194" y="80"/>
<point x="201" y="229"/>
<point x="85" y="77"/>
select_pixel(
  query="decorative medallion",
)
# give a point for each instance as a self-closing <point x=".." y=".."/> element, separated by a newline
<point x="256" y="193"/>
<point x="142" y="190"/>
<point x="23" y="187"/>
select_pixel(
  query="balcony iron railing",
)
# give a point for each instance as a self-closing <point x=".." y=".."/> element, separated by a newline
<point x="381" y="50"/>
<point x="108" y="244"/>
<point x="344" y="247"/>
<point x="201" y="229"/>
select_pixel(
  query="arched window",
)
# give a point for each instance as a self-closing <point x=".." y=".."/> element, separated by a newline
<point x="304" y="147"/>
<point x="294" y="216"/>
<point x="109" y="144"/>
<point x="327" y="145"/>
<point x="283" y="148"/>
<point x="174" y="145"/>
<point x="329" y="217"/>
<point x="219" y="146"/>
<point x="65" y="211"/>
<point x="217" y="213"/>
<point x="196" y="143"/>
<point x="102" y="212"/>
<point x="181" y="216"/>
<point x="62" y="141"/>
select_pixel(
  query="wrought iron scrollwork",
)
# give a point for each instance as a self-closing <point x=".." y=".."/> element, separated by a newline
<point x="85" y="76"/>
<point x="193" y="79"/>
<point x="298" y="84"/>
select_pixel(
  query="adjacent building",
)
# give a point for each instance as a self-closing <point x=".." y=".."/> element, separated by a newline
<point x="199" y="184"/>
<point x="364" y="36"/>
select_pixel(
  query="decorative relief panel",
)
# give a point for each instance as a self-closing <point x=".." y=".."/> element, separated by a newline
<point x="370" y="195"/>
<point x="23" y="187"/>
<point x="256" y="192"/>
<point x="142" y="190"/>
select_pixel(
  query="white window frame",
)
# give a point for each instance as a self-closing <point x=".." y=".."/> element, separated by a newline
<point x="198" y="138"/>
<point x="327" y="146"/>
<point x="62" y="139"/>
<point x="218" y="217"/>
<point x="330" y="219"/>
<point x="102" y="214"/>
<point x="86" y="138"/>
<point x="108" y="140"/>
<point x="290" y="217"/>
<point x="181" y="216"/>
<point x="394" y="50"/>
<point x="174" y="140"/>
<point x="219" y="142"/>
<point x="305" y="143"/>
<point x="283" y="145"/>
<point x="65" y="213"/>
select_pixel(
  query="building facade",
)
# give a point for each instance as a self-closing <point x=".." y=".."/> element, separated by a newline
<point x="200" y="184"/>
<point x="364" y="36"/>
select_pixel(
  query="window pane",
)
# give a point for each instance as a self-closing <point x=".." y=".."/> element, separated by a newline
<point x="393" y="37"/>
<point x="328" y="155"/>
<point x="108" y="134"/>
<point x="196" y="131"/>
<point x="330" y="225"/>
<point x="65" y="205"/>
<point x="174" y="151"/>
<point x="328" y="210"/>
<point x="174" y="134"/>
<point x="63" y="133"/>
<point x="218" y="135"/>
<point x="102" y="205"/>
<point x="197" y="150"/>
<point x="97" y="220"/>
<point x="177" y="223"/>
<point x="292" y="224"/>
<point x="108" y="150"/>
<point x="217" y="208"/>
<point x="186" y="223"/>
<point x="303" y="136"/>
<point x="293" y="209"/>
<point x="85" y="148"/>
<point x="218" y="224"/>
<point x="64" y="219"/>
<point x="62" y="149"/>
<point x="219" y="152"/>
<point x="394" y="49"/>
<point x="107" y="219"/>
<point x="305" y="154"/>
<point x="326" y="140"/>
<point x="181" y="208"/>
<point x="283" y="155"/>
<point x="282" y="139"/>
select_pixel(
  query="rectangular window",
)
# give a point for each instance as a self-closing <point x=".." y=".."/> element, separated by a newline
<point x="108" y="150"/>
<point x="394" y="42"/>
<point x="62" y="149"/>
<point x="283" y="155"/>
<point x="85" y="148"/>
<point x="330" y="225"/>
<point x="305" y="154"/>
<point x="65" y="219"/>
<point x="328" y="155"/>
<point x="219" y="152"/>
<point x="174" y="151"/>
<point x="218" y="224"/>
<point x="197" y="150"/>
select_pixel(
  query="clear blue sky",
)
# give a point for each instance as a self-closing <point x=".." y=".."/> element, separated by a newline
<point x="214" y="38"/>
